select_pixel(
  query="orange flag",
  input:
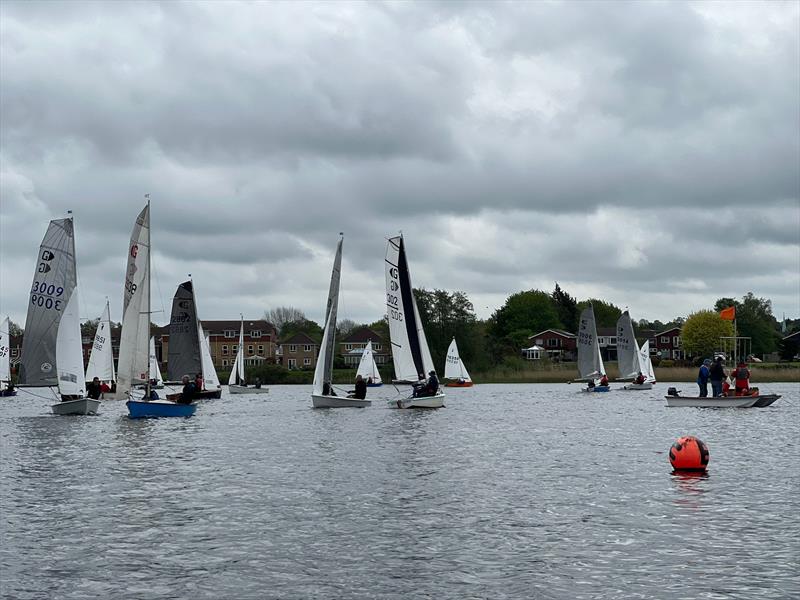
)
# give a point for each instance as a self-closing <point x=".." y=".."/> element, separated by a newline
<point x="728" y="314"/>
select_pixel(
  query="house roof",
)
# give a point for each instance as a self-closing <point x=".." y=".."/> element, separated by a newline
<point x="793" y="337"/>
<point x="670" y="330"/>
<point x="299" y="338"/>
<point x="560" y="332"/>
<point x="361" y="336"/>
<point x="219" y="327"/>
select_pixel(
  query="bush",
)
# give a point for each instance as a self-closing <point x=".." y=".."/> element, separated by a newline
<point x="666" y="363"/>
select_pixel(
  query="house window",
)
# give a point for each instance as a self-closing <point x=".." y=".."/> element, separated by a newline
<point x="552" y="342"/>
<point x="292" y="347"/>
<point x="249" y="348"/>
<point x="235" y="348"/>
<point x="540" y="342"/>
<point x="256" y="333"/>
<point x="230" y="333"/>
<point x="612" y="340"/>
<point x="292" y="363"/>
<point x="307" y="348"/>
<point x="224" y="349"/>
<point x="224" y="362"/>
<point x="601" y="340"/>
<point x="676" y="341"/>
<point x="664" y="339"/>
<point x="307" y="362"/>
<point x="376" y="346"/>
<point x="676" y="354"/>
<point x="348" y="346"/>
<point x="260" y="348"/>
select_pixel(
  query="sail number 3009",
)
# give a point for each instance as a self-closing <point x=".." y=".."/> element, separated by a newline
<point x="46" y="295"/>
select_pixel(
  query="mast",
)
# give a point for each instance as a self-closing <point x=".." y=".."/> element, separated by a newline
<point x="240" y="355"/>
<point x="147" y="390"/>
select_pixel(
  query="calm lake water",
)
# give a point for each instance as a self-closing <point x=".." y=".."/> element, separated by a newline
<point x="512" y="491"/>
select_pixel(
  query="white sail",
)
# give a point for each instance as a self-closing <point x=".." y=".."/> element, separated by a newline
<point x="101" y="360"/>
<point x="646" y="363"/>
<point x="453" y="365"/>
<point x="590" y="363"/>
<point x="210" y="378"/>
<point x="323" y="372"/>
<point x="5" y="351"/>
<point x="627" y="349"/>
<point x="69" y="351"/>
<point x="367" y="367"/>
<point x="134" y="355"/>
<point x="155" y="370"/>
<point x="237" y="370"/>
<point x="412" y="357"/>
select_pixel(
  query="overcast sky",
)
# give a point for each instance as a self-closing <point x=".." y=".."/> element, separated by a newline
<point x="644" y="153"/>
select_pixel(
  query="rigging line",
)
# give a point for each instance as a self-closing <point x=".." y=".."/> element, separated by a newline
<point x="25" y="391"/>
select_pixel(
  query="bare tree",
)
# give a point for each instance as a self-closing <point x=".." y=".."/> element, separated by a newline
<point x="346" y="327"/>
<point x="281" y="315"/>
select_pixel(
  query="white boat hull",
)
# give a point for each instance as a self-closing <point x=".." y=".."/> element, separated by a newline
<point x="712" y="402"/>
<point x="82" y="406"/>
<point x="321" y="401"/>
<point x="647" y="385"/>
<point x="436" y="401"/>
<point x="239" y="389"/>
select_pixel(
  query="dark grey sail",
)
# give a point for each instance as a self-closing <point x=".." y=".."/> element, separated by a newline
<point x="184" y="345"/>
<point x="53" y="285"/>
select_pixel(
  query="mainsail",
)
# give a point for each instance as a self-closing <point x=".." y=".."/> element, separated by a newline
<point x="210" y="379"/>
<point x="132" y="366"/>
<point x="324" y="369"/>
<point x="412" y="357"/>
<point x="184" y="339"/>
<point x="5" y="351"/>
<point x="453" y="365"/>
<point x="627" y="348"/>
<point x="646" y="363"/>
<point x="155" y="370"/>
<point x="367" y="367"/>
<point x="237" y="370"/>
<point x="53" y="299"/>
<point x="101" y="360"/>
<point x="590" y="363"/>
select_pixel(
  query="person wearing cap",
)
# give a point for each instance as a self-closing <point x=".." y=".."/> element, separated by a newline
<point x="742" y="375"/>
<point x="702" y="377"/>
<point x="717" y="375"/>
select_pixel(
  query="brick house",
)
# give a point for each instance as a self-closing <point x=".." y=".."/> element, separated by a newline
<point x="299" y="351"/>
<point x="607" y="340"/>
<point x="668" y="344"/>
<point x="351" y="347"/>
<point x="559" y="344"/>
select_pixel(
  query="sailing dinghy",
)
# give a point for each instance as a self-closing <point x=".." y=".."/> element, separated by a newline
<point x="52" y="354"/>
<point x="101" y="360"/>
<point x="6" y="389"/>
<point x="412" y="357"/>
<point x="590" y="362"/>
<point x="188" y="348"/>
<point x="134" y="346"/>
<point x="237" y="384"/>
<point x="454" y="368"/>
<point x="629" y="356"/>
<point x="368" y="369"/>
<point x="322" y="394"/>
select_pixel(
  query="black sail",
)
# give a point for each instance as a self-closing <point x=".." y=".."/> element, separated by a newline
<point x="184" y="345"/>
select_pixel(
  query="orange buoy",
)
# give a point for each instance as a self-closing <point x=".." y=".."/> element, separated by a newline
<point x="689" y="454"/>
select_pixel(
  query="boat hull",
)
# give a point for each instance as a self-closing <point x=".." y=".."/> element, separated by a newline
<point x="597" y="388"/>
<point x="712" y="402"/>
<point x="436" y="401"/>
<point x="457" y="384"/>
<point x="639" y="386"/>
<point x="204" y="395"/>
<point x="7" y="393"/>
<point x="766" y="400"/>
<point x="374" y="384"/>
<point x="81" y="406"/>
<point x="158" y="408"/>
<point x="321" y="401"/>
<point x="240" y="389"/>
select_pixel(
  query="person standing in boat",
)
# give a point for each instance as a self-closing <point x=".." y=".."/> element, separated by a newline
<point x="93" y="389"/>
<point x="702" y="377"/>
<point x="361" y="388"/>
<point x="742" y="376"/>
<point x="717" y="375"/>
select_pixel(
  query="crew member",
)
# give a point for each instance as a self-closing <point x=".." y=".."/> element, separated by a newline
<point x="93" y="390"/>
<point x="702" y="377"/>
<point x="742" y="375"/>
<point x="188" y="392"/>
<point x="717" y="375"/>
<point x="604" y="380"/>
<point x="361" y="388"/>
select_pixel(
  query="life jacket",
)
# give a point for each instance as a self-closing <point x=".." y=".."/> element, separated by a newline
<point x="742" y="375"/>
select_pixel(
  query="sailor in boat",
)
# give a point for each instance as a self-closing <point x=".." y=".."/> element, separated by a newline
<point x="604" y="380"/>
<point x="742" y="376"/>
<point x="590" y="385"/>
<point x="429" y="389"/>
<point x="327" y="389"/>
<point x="94" y="389"/>
<point x="104" y="388"/>
<point x="198" y="382"/>
<point x="717" y="376"/>
<point x="188" y="392"/>
<point x="361" y="389"/>
<point x="639" y="379"/>
<point x="702" y="377"/>
<point x="258" y="383"/>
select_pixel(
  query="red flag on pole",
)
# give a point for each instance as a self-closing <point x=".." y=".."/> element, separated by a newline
<point x="728" y="314"/>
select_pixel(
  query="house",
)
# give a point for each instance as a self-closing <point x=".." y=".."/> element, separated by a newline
<point x="559" y="345"/>
<point x="668" y="344"/>
<point x="644" y="335"/>
<point x="607" y="340"/>
<point x="260" y="342"/>
<point x="351" y="347"/>
<point x="298" y="351"/>
<point x="534" y="353"/>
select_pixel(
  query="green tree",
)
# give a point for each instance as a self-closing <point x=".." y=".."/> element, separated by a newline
<point x="310" y="328"/>
<point x="14" y="329"/>
<point x="702" y="331"/>
<point x="754" y="319"/>
<point x="567" y="308"/>
<point x="606" y="314"/>
<point x="523" y="315"/>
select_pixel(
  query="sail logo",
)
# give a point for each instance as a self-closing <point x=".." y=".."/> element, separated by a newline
<point x="46" y="367"/>
<point x="393" y="286"/>
<point x="71" y="377"/>
<point x="393" y="273"/>
<point x="184" y="304"/>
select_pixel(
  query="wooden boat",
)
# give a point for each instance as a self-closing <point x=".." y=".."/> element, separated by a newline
<point x="6" y="389"/>
<point x="321" y="393"/>
<point x="410" y="351"/>
<point x="454" y="369"/>
<point x="237" y="382"/>
<point x="52" y="354"/>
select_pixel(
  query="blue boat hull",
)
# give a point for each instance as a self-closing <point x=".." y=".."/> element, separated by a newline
<point x="153" y="410"/>
<point x="601" y="388"/>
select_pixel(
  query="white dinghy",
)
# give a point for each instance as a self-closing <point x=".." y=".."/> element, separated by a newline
<point x="322" y="394"/>
<point x="454" y="368"/>
<point x="52" y="354"/>
<point x="237" y="383"/>
<point x="590" y="361"/>
<point x="101" y="360"/>
<point x="412" y="357"/>
<point x="629" y="357"/>
<point x="6" y="389"/>
<point x="367" y="367"/>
